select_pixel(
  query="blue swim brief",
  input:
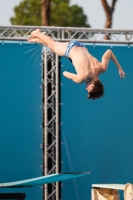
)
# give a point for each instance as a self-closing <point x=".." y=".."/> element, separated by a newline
<point x="71" y="44"/>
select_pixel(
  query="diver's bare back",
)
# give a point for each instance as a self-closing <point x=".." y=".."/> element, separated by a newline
<point x="83" y="62"/>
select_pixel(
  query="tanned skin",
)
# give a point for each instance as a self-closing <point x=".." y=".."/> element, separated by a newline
<point x="87" y="67"/>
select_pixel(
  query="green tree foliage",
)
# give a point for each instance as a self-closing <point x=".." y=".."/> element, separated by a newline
<point x="28" y="12"/>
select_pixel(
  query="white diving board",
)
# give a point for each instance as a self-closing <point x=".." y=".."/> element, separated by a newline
<point x="110" y="186"/>
<point x="127" y="189"/>
<point x="44" y="179"/>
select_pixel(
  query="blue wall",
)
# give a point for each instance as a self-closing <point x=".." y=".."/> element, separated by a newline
<point x="20" y="115"/>
<point x="97" y="135"/>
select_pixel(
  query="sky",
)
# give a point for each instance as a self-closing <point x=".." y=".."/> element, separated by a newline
<point x="122" y="17"/>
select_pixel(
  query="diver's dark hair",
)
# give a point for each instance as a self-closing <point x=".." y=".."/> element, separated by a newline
<point x="97" y="91"/>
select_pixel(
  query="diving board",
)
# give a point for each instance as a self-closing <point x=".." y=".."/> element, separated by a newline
<point x="44" y="179"/>
<point x="110" y="186"/>
<point x="127" y="188"/>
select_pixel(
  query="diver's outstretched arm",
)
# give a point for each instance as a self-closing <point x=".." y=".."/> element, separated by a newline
<point x="105" y="60"/>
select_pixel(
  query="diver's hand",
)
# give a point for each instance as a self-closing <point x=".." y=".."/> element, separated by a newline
<point x="121" y="73"/>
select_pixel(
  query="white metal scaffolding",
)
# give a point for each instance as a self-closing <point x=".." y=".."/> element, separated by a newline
<point x="88" y="35"/>
<point x="51" y="121"/>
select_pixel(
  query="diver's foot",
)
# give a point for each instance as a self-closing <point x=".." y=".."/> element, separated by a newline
<point x="35" y="33"/>
<point x="33" y="40"/>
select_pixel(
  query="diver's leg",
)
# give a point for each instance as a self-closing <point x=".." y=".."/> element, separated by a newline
<point x="58" y="47"/>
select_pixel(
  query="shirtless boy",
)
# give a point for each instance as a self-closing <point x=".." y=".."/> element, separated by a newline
<point x="88" y="68"/>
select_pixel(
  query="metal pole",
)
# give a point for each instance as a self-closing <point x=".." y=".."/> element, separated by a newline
<point x="53" y="105"/>
<point x="80" y="40"/>
<point x="57" y="124"/>
<point x="45" y="120"/>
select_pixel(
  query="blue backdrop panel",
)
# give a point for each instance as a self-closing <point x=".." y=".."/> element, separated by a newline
<point x="96" y="135"/>
<point x="20" y="115"/>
